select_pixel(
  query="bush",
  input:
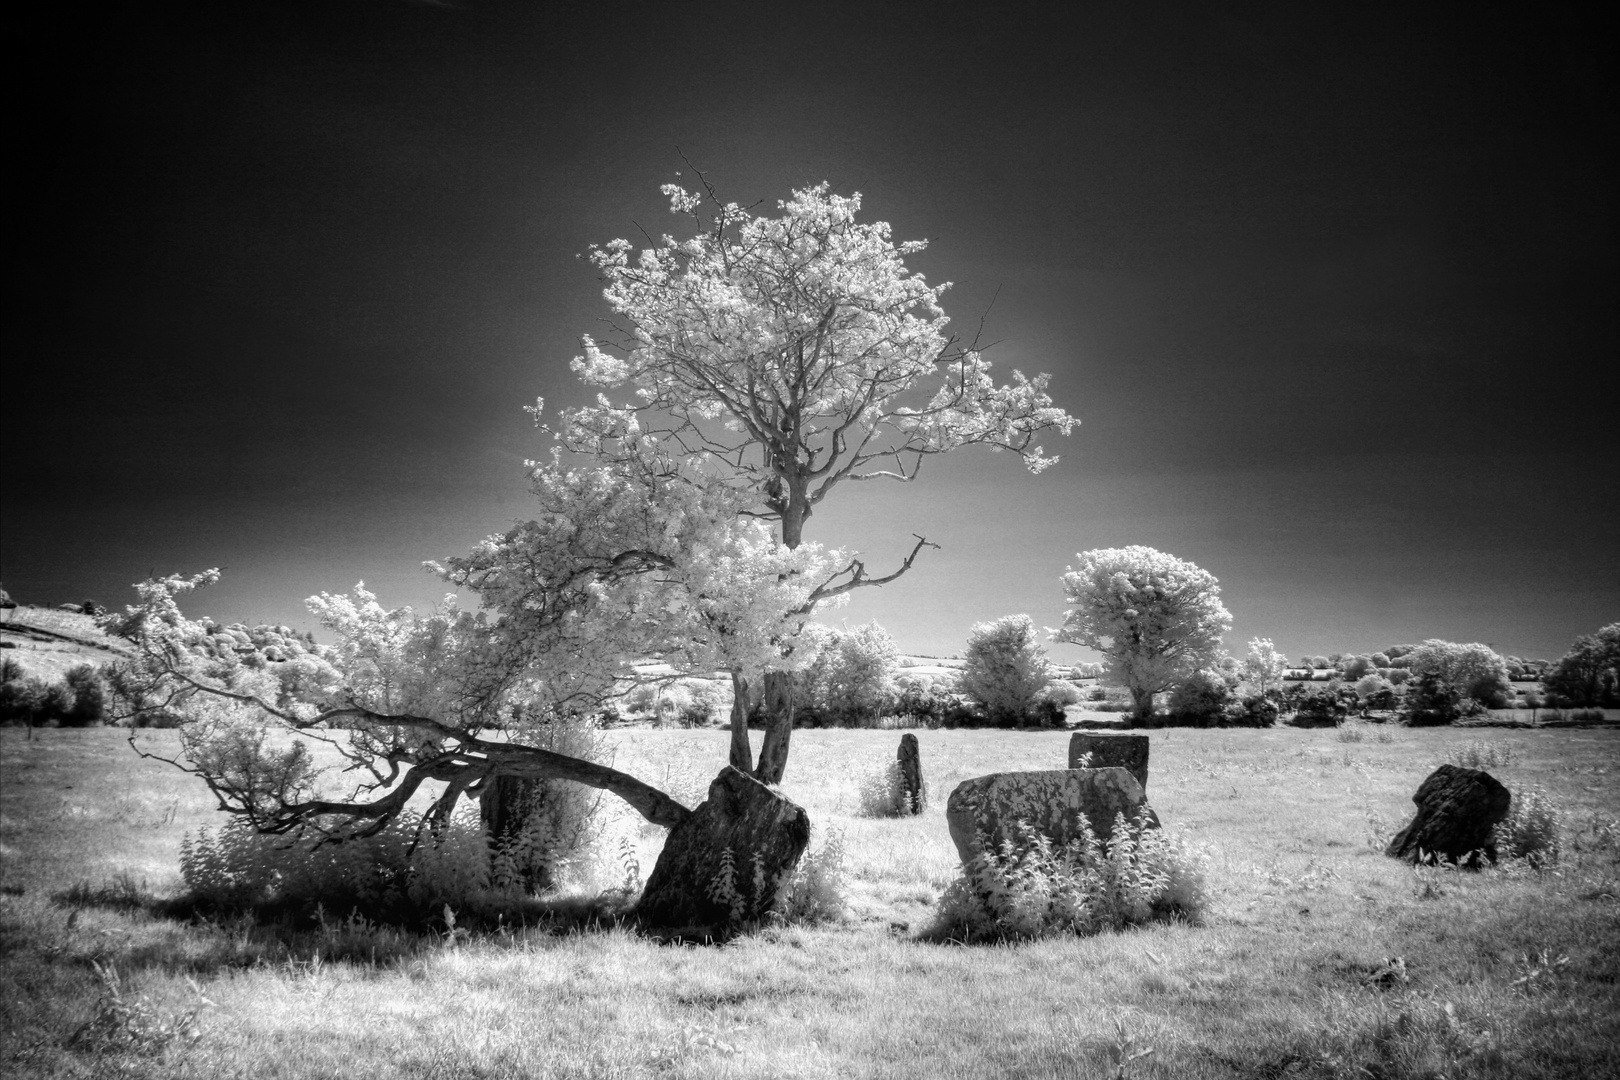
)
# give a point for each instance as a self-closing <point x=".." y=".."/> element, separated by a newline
<point x="880" y="792"/>
<point x="1431" y="701"/>
<point x="1005" y="668"/>
<point x="1198" y="700"/>
<point x="1031" y="888"/>
<point x="852" y="680"/>
<point x="1319" y="708"/>
<point x="1062" y="692"/>
<point x="89" y="696"/>
<point x="1530" y="830"/>
<point x="1253" y="710"/>
<point x="818" y="890"/>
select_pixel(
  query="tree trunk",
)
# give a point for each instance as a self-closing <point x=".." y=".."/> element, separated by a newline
<point x="742" y="755"/>
<point x="506" y="806"/>
<point x="773" y="754"/>
<point x="1141" y="704"/>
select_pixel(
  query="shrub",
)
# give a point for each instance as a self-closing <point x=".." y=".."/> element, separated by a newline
<point x="818" y="890"/>
<point x="1253" y="710"/>
<point x="1062" y="693"/>
<point x="1199" y="699"/>
<point x="1005" y="668"/>
<point x="1030" y="888"/>
<point x="880" y="792"/>
<point x="1530" y="830"/>
<point x="1319" y="708"/>
<point x="1430" y="701"/>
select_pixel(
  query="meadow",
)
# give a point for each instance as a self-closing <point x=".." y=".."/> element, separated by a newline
<point x="1318" y="955"/>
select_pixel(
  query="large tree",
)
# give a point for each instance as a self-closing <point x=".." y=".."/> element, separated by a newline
<point x="781" y="356"/>
<point x="1156" y="618"/>
<point x="761" y="362"/>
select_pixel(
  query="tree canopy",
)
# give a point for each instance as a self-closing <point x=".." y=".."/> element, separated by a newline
<point x="1155" y="617"/>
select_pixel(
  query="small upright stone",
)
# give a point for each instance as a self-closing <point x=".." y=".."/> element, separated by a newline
<point x="1108" y="750"/>
<point x="1458" y="811"/>
<point x="911" y="779"/>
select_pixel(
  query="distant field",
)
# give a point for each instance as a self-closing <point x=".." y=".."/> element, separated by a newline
<point x="1320" y="958"/>
<point x="48" y="641"/>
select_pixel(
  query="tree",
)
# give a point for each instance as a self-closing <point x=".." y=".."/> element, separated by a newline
<point x="1264" y="666"/>
<point x="760" y="363"/>
<point x="1155" y="617"/>
<point x="779" y="357"/>
<point x="1589" y="674"/>
<point x="1474" y="670"/>
<point x="853" y="673"/>
<point x="1005" y="668"/>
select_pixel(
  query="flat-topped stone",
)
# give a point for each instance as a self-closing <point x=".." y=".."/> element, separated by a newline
<point x="1053" y="801"/>
<point x="1128" y="752"/>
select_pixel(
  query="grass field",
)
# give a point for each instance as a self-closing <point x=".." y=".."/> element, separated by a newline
<point x="1320" y="957"/>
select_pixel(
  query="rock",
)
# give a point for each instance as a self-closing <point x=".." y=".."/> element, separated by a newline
<point x="765" y="833"/>
<point x="1054" y="801"/>
<point x="911" y="781"/>
<point x="1129" y="752"/>
<point x="1458" y="810"/>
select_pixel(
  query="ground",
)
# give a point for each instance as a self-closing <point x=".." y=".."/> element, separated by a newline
<point x="1319" y="956"/>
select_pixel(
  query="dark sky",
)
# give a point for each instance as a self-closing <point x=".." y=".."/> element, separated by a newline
<point x="1331" y="288"/>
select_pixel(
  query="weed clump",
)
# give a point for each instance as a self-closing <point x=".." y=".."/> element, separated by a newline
<point x="881" y="792"/>
<point x="1531" y="829"/>
<point x="380" y="876"/>
<point x="1030" y="887"/>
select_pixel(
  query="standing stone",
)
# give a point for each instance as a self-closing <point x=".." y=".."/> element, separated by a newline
<point x="1458" y="810"/>
<point x="765" y="834"/>
<point x="1128" y="752"/>
<point x="911" y="781"/>
<point x="1053" y="801"/>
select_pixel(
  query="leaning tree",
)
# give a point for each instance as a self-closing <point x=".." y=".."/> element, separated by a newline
<point x="757" y="364"/>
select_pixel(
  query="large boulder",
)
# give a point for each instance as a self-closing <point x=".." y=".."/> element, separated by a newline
<point x="1053" y="801"/>
<point x="1458" y="811"/>
<point x="765" y="834"/>
<point x="1129" y="752"/>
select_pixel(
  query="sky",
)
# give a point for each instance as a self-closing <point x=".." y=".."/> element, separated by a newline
<point x="1332" y="289"/>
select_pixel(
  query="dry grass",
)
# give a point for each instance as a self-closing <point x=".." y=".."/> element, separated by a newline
<point x="1320" y="958"/>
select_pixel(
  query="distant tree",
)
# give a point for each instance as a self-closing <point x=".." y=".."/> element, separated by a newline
<point x="853" y="675"/>
<point x="1334" y="659"/>
<point x="1264" y="665"/>
<point x="1380" y="660"/>
<point x="1375" y="692"/>
<point x="1155" y="617"/>
<point x="1472" y="669"/>
<point x="89" y="695"/>
<point x="1005" y="668"/>
<point x="1355" y="667"/>
<point x="1589" y="674"/>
